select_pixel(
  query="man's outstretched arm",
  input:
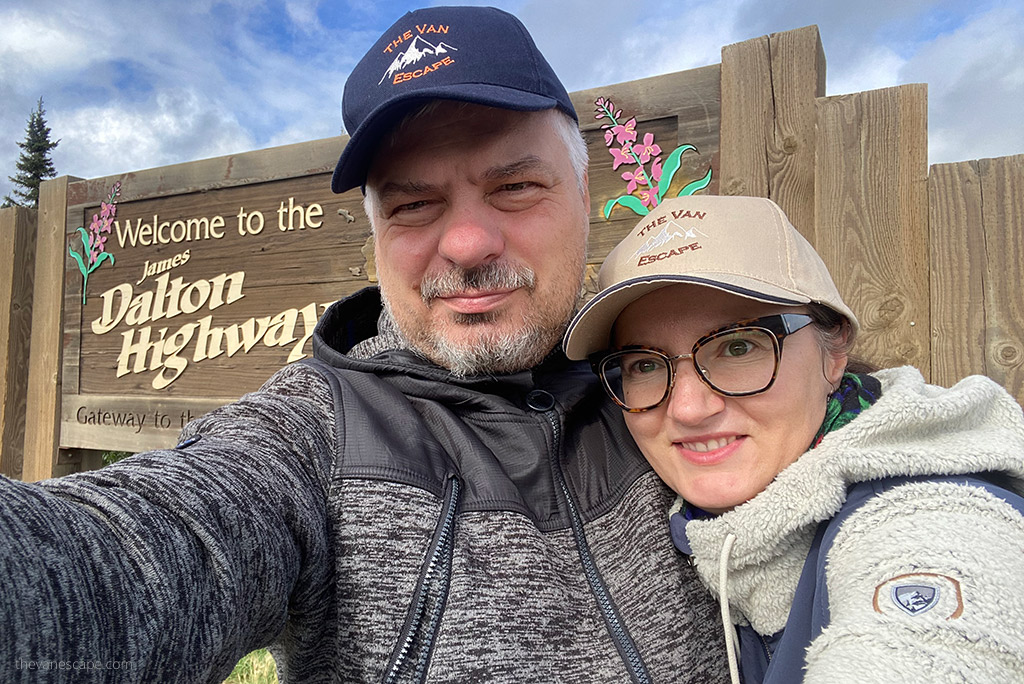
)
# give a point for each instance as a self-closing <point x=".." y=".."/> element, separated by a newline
<point x="171" y="565"/>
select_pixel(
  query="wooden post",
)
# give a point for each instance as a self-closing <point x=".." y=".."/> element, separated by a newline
<point x="17" y="265"/>
<point x="959" y="267"/>
<point x="872" y="217"/>
<point x="769" y="88"/>
<point x="44" y="376"/>
<point x="977" y="229"/>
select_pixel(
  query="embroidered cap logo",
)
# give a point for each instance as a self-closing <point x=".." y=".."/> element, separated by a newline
<point x="406" y="64"/>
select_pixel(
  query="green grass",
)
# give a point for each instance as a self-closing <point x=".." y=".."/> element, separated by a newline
<point x="256" y="668"/>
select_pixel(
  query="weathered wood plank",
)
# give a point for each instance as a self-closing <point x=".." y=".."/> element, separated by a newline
<point x="959" y="267"/>
<point x="798" y="79"/>
<point x="747" y="118"/>
<point x="1002" y="192"/>
<point x="44" y="373"/>
<point x="769" y="87"/>
<point x="17" y="267"/>
<point x="872" y="217"/>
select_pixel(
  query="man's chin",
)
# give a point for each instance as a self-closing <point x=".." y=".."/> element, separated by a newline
<point x="497" y="350"/>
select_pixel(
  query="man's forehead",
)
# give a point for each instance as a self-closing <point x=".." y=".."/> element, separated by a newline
<point x="452" y="130"/>
<point x="462" y="119"/>
<point x="397" y="181"/>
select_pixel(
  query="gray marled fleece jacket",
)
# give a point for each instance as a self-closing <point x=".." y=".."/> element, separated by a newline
<point x="374" y="521"/>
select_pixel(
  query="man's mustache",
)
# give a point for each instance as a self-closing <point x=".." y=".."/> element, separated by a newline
<point x="496" y="275"/>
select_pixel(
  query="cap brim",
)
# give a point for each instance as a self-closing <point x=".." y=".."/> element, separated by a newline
<point x="591" y="328"/>
<point x="355" y="159"/>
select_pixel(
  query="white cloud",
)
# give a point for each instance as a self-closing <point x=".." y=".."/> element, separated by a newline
<point x="176" y="126"/>
<point x="976" y="87"/>
<point x="29" y="41"/>
<point x="303" y="14"/>
<point x="868" y="70"/>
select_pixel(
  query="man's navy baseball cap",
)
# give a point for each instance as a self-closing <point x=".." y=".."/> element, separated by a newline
<point x="472" y="54"/>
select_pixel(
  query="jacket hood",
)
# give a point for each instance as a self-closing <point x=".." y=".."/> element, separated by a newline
<point x="914" y="429"/>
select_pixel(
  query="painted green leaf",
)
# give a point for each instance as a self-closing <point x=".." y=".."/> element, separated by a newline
<point x="669" y="168"/>
<point x="78" y="259"/>
<point x="85" y="239"/>
<point x="628" y="201"/>
<point x="696" y="185"/>
<point x="102" y="256"/>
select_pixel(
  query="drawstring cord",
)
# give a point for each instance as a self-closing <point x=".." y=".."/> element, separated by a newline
<point x="723" y="600"/>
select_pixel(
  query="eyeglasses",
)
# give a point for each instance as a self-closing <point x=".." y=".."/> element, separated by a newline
<point x="738" y="360"/>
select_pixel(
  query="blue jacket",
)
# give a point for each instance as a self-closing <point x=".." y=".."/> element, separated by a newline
<point x="779" y="658"/>
<point x="893" y="551"/>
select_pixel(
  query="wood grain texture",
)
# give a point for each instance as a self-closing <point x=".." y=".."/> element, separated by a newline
<point x="977" y="280"/>
<point x="872" y="217"/>
<point x="17" y="267"/>
<point x="798" y="79"/>
<point x="1002" y="192"/>
<point x="747" y="118"/>
<point x="958" y="271"/>
<point x="44" y="373"/>
<point x="769" y="88"/>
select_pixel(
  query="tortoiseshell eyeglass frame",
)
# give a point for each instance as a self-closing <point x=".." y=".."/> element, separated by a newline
<point x="778" y="326"/>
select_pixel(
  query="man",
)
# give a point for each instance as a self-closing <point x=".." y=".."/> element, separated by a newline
<point x="438" y="496"/>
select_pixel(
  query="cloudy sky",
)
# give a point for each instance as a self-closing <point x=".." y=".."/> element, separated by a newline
<point x="130" y="85"/>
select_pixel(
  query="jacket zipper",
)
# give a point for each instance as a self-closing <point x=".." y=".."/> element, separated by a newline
<point x="411" y="656"/>
<point x="620" y="635"/>
<point x="764" y="646"/>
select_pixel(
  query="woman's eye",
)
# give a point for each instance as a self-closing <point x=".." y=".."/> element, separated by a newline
<point x="737" y="347"/>
<point x="643" y="367"/>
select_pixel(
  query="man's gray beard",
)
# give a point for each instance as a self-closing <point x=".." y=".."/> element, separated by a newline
<point x="497" y="353"/>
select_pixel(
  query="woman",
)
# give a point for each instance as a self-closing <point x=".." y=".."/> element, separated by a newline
<point x="855" y="526"/>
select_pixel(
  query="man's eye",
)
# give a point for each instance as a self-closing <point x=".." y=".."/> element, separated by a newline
<point x="516" y="187"/>
<point x="517" y="196"/>
<point x="409" y="206"/>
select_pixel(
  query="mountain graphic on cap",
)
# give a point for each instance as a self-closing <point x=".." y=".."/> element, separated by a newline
<point x="419" y="49"/>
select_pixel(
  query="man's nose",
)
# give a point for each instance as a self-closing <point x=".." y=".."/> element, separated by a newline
<point x="471" y="236"/>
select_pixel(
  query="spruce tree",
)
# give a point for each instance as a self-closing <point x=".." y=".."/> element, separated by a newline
<point x="34" y="164"/>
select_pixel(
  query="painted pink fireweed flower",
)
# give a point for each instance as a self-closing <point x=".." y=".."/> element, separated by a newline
<point x="621" y="155"/>
<point x="648" y="149"/>
<point x="656" y="168"/>
<point x="648" y="198"/>
<point x="634" y="179"/>
<point x="94" y="240"/>
<point x="642" y="194"/>
<point x="624" y="133"/>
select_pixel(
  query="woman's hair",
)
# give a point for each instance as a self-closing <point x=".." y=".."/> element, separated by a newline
<point x="835" y="335"/>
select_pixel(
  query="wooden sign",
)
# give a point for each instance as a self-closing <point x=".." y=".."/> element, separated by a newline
<point x="188" y="286"/>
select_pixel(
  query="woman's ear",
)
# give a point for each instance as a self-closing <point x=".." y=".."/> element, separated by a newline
<point x="836" y="359"/>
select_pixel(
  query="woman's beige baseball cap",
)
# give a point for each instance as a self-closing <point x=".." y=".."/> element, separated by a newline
<point x="742" y="245"/>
